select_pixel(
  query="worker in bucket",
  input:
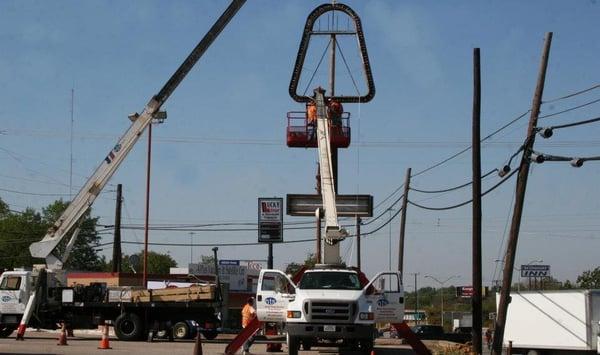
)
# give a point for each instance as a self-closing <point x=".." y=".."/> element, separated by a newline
<point x="248" y="314"/>
<point x="311" y="120"/>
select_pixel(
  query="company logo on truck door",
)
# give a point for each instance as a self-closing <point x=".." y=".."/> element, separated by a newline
<point x="6" y="298"/>
<point x="270" y="301"/>
<point x="382" y="302"/>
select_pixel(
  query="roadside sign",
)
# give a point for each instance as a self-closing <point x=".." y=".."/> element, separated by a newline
<point x="464" y="291"/>
<point x="347" y="205"/>
<point x="535" y="270"/>
<point x="229" y="262"/>
<point x="270" y="220"/>
<point x="467" y="291"/>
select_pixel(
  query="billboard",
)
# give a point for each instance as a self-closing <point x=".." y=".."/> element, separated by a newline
<point x="535" y="270"/>
<point x="270" y="220"/>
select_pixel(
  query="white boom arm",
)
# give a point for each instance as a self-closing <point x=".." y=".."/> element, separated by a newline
<point x="46" y="248"/>
<point x="92" y="188"/>
<point x="333" y="232"/>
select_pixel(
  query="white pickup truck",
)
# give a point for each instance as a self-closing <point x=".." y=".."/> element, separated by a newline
<point x="330" y="306"/>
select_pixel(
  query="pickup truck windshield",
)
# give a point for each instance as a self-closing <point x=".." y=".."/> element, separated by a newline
<point x="329" y="280"/>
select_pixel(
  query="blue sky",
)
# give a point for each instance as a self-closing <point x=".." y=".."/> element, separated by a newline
<point x="223" y="144"/>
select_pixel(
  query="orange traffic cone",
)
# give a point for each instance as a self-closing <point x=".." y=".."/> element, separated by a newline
<point x="62" y="338"/>
<point x="198" y="345"/>
<point x="104" y="343"/>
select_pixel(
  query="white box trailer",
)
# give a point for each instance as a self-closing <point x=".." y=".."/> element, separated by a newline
<point x="553" y="322"/>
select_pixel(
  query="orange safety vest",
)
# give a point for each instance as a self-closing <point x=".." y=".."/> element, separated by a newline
<point x="311" y="112"/>
<point x="248" y="314"/>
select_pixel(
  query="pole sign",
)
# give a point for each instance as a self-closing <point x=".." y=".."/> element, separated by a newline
<point x="467" y="291"/>
<point x="229" y="262"/>
<point x="270" y="220"/>
<point x="535" y="270"/>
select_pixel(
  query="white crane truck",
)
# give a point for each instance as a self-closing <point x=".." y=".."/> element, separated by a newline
<point x="331" y="304"/>
<point x="41" y="297"/>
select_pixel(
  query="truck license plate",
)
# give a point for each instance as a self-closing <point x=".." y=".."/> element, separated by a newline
<point x="329" y="328"/>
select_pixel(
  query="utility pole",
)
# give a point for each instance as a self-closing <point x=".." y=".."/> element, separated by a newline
<point x="416" y="298"/>
<point x="403" y="225"/>
<point x="191" y="247"/>
<point x="358" y="242"/>
<point x="116" y="262"/>
<point x="476" y="302"/>
<point x="519" y="200"/>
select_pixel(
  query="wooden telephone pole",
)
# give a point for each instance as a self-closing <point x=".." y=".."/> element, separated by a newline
<point x="511" y="248"/>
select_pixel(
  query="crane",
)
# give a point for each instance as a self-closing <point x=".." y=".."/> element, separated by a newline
<point x="47" y="247"/>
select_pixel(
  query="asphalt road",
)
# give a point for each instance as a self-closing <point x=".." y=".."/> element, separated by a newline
<point x="39" y="343"/>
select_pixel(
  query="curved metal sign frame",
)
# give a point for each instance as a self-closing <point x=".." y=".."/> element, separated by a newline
<point x="308" y="29"/>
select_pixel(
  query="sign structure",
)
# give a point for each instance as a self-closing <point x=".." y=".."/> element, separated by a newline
<point x="234" y="275"/>
<point x="347" y="205"/>
<point x="270" y="220"/>
<point x="467" y="291"/>
<point x="535" y="270"/>
<point x="464" y="291"/>
<point x="229" y="262"/>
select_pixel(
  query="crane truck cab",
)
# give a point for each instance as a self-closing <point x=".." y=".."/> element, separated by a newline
<point x="330" y="305"/>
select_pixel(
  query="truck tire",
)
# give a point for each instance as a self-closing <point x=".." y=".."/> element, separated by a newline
<point x="366" y="345"/>
<point x="6" y="330"/>
<point x="293" y="344"/>
<point x="129" y="327"/>
<point x="181" y="330"/>
<point x="210" y="334"/>
<point x="306" y="344"/>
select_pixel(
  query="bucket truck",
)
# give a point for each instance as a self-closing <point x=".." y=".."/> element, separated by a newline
<point x="42" y="297"/>
<point x="331" y="304"/>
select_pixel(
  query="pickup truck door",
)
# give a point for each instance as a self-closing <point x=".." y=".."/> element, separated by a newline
<point x="386" y="296"/>
<point x="14" y="293"/>
<point x="273" y="293"/>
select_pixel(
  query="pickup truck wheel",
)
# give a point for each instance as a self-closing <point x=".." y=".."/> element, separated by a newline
<point x="366" y="345"/>
<point x="293" y="344"/>
<point x="181" y="330"/>
<point x="129" y="326"/>
<point x="210" y="334"/>
<point x="6" y="330"/>
<point x="306" y="344"/>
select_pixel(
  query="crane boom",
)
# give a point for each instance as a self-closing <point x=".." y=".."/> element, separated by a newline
<point x="333" y="232"/>
<point x="46" y="248"/>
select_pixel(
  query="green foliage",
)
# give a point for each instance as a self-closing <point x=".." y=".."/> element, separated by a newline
<point x="589" y="279"/>
<point x="19" y="230"/>
<point x="157" y="263"/>
<point x="310" y="261"/>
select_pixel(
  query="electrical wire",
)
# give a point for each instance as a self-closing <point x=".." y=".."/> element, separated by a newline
<point x="466" y="202"/>
<point x="574" y="124"/>
<point x="455" y="187"/>
<point x="33" y="193"/>
<point x="570" y="109"/>
<point x="573" y="94"/>
<point x="384" y="212"/>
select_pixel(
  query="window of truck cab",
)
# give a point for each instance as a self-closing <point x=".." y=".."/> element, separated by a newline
<point x="334" y="280"/>
<point x="11" y="283"/>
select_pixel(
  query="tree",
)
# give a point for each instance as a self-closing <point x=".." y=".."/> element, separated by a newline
<point x="17" y="232"/>
<point x="157" y="263"/>
<point x="589" y="279"/>
<point x="84" y="256"/>
<point x="310" y="261"/>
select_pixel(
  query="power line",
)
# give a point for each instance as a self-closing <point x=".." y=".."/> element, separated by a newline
<point x="570" y="109"/>
<point x="573" y="94"/>
<point x="466" y="202"/>
<point x="455" y="187"/>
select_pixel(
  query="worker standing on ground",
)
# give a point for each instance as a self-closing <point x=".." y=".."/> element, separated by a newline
<point x="248" y="314"/>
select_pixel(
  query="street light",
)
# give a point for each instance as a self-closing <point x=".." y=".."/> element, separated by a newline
<point x="159" y="117"/>
<point x="442" y="290"/>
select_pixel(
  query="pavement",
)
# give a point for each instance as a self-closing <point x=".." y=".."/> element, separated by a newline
<point x="86" y="342"/>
